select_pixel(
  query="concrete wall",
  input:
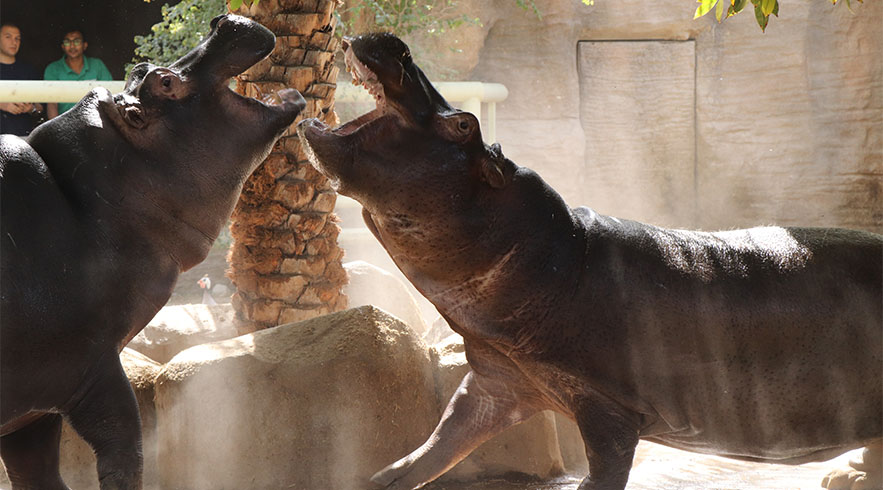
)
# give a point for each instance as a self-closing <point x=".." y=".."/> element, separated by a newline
<point x="716" y="126"/>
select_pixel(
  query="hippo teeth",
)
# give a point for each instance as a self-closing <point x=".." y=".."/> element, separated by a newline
<point x="357" y="69"/>
<point x="271" y="99"/>
<point x="367" y="79"/>
<point x="363" y="76"/>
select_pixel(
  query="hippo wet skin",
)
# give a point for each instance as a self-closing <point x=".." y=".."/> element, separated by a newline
<point x="102" y="208"/>
<point x="761" y="344"/>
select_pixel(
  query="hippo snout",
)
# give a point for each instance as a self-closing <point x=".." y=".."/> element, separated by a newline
<point x="234" y="44"/>
<point x="317" y="143"/>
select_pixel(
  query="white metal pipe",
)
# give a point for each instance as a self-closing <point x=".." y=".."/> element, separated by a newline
<point x="470" y="94"/>
<point x="453" y="91"/>
<point x="492" y="122"/>
<point x="52" y="91"/>
<point x="473" y="105"/>
<point x="462" y="91"/>
<point x="67" y="91"/>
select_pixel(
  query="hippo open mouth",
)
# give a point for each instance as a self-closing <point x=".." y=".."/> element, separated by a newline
<point x="405" y="100"/>
<point x="377" y="50"/>
<point x="363" y="76"/>
<point x="233" y="46"/>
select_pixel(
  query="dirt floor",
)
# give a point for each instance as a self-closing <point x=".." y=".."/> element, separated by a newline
<point x="660" y="468"/>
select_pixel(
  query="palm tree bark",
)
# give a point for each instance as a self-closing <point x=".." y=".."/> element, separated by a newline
<point x="285" y="261"/>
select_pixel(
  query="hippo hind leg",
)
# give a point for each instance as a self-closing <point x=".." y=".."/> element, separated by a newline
<point x="30" y="455"/>
<point x="610" y="435"/>
<point x="866" y="474"/>
<point x="107" y="418"/>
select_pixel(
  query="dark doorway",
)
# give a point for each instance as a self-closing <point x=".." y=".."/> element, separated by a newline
<point x="109" y="27"/>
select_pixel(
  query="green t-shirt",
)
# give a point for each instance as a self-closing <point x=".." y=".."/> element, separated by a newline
<point x="93" y="69"/>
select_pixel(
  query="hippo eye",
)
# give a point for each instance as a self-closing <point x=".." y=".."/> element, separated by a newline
<point x="167" y="82"/>
<point x="464" y="125"/>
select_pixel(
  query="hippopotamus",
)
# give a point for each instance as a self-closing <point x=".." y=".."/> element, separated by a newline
<point x="762" y="344"/>
<point x="102" y="208"/>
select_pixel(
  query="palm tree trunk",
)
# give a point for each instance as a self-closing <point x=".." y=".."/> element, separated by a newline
<point x="285" y="261"/>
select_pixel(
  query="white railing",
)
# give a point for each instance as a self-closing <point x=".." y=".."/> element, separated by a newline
<point x="51" y="91"/>
<point x="470" y="95"/>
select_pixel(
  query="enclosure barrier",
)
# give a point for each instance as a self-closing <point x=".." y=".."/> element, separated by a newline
<point x="469" y="95"/>
<point x="51" y="91"/>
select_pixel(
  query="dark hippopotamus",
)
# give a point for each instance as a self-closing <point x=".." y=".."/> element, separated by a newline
<point x="761" y="344"/>
<point x="102" y="208"/>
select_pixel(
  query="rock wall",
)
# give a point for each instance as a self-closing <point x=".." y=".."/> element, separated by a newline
<point x="783" y="127"/>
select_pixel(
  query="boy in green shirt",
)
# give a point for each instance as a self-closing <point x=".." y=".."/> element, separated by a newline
<point x="75" y="65"/>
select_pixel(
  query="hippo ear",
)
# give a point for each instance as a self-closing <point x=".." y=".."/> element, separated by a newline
<point x="137" y="74"/>
<point x="496" y="169"/>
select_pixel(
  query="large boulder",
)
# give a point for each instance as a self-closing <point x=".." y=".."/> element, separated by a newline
<point x="77" y="459"/>
<point x="179" y="327"/>
<point x="322" y="403"/>
<point x="573" y="449"/>
<point x="371" y="285"/>
<point x="531" y="447"/>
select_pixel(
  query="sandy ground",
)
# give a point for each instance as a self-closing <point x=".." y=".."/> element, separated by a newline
<point x="660" y="468"/>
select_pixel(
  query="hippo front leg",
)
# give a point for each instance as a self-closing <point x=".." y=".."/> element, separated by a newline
<point x="30" y="455"/>
<point x="107" y="417"/>
<point x="610" y="434"/>
<point x="480" y="409"/>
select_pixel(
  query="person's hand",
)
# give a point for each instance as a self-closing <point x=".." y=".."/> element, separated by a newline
<point x="16" y="107"/>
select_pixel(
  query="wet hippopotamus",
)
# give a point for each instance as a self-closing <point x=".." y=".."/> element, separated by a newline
<point x="102" y="209"/>
<point x="761" y="344"/>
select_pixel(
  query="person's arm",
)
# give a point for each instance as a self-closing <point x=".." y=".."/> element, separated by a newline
<point x="20" y="107"/>
<point x="51" y="107"/>
<point x="16" y="107"/>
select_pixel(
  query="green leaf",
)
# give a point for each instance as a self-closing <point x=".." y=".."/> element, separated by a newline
<point x="762" y="20"/>
<point x="736" y="6"/>
<point x="704" y="7"/>
<point x="767" y="7"/>
<point x="235" y="4"/>
<point x="720" y="11"/>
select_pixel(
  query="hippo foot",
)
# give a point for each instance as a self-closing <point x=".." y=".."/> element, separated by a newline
<point x="849" y="479"/>
<point x="863" y="474"/>
<point x="397" y="476"/>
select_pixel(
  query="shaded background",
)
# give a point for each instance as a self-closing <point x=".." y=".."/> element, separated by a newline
<point x="109" y="27"/>
<point x="644" y="113"/>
